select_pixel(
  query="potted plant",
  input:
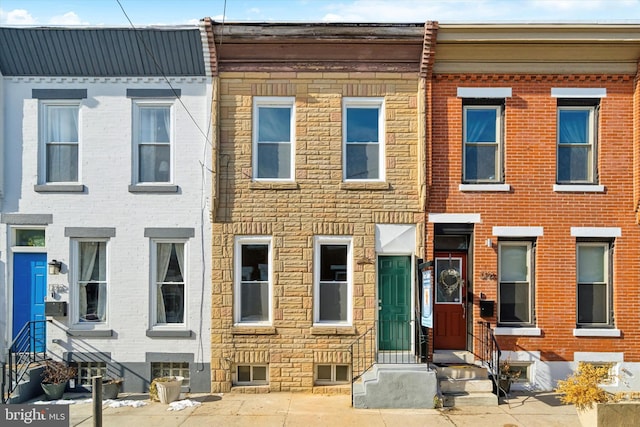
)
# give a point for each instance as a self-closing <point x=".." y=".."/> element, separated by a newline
<point x="594" y="405"/>
<point x="55" y="377"/>
<point x="165" y="389"/>
<point x="506" y="376"/>
<point x="111" y="387"/>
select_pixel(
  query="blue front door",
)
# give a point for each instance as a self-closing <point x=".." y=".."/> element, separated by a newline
<point x="29" y="290"/>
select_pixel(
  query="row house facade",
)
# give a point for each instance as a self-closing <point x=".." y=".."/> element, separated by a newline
<point x="349" y="158"/>
<point x="104" y="229"/>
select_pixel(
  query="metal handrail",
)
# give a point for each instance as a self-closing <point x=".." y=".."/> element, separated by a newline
<point x="490" y="352"/>
<point x="22" y="354"/>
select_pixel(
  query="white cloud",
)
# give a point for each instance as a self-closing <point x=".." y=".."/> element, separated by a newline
<point x="69" y="18"/>
<point x="17" y="17"/>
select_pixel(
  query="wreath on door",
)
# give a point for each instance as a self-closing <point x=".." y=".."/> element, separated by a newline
<point x="450" y="280"/>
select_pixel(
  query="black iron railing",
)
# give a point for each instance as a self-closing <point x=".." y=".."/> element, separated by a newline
<point x="489" y="352"/>
<point x="388" y="342"/>
<point x="27" y="349"/>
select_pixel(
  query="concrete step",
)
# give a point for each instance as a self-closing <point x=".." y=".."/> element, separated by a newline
<point x="457" y="385"/>
<point x="461" y="371"/>
<point x="469" y="399"/>
<point x="453" y="356"/>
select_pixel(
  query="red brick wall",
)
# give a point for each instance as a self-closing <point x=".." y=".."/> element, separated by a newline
<point x="530" y="153"/>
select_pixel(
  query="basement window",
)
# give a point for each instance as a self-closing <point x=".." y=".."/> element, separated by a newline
<point x="332" y="374"/>
<point x="87" y="370"/>
<point x="252" y="375"/>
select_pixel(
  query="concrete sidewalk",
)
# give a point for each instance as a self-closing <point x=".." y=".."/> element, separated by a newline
<point x="308" y="410"/>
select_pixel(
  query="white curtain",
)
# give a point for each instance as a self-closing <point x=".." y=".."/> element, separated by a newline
<point x="62" y="127"/>
<point x="162" y="264"/>
<point x="102" y="286"/>
<point x="87" y="261"/>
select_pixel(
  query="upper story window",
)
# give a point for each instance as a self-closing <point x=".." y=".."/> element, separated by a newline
<point x="363" y="139"/>
<point x="252" y="294"/>
<point x="153" y="139"/>
<point x="483" y="141"/>
<point x="594" y="305"/>
<point x="60" y="138"/>
<point x="273" y="138"/>
<point x="576" y="139"/>
<point x="516" y="295"/>
<point x="332" y="284"/>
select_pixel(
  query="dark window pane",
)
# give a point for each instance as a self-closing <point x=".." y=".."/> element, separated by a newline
<point x="573" y="163"/>
<point x="481" y="125"/>
<point x="255" y="262"/>
<point x="514" y="302"/>
<point x="480" y="163"/>
<point x="62" y="162"/>
<point x="342" y="373"/>
<point x="362" y="161"/>
<point x="274" y="160"/>
<point x="324" y="372"/>
<point x="274" y="124"/>
<point x="362" y="125"/>
<point x="259" y="373"/>
<point x="154" y="163"/>
<point x="173" y="298"/>
<point x="592" y="303"/>
<point x="333" y="263"/>
<point x="254" y="302"/>
<point x="244" y="374"/>
<point x="333" y="302"/>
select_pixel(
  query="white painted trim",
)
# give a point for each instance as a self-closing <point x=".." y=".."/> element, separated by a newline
<point x="484" y="92"/>
<point x="596" y="231"/>
<point x="518" y="231"/>
<point x="578" y="92"/>
<point x="585" y="332"/>
<point x="484" y="187"/>
<point x="525" y="332"/>
<point x="447" y="218"/>
<point x="559" y="188"/>
<point x="597" y="356"/>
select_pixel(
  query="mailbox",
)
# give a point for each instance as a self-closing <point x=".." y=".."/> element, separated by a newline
<point x="486" y="308"/>
<point x="55" y="308"/>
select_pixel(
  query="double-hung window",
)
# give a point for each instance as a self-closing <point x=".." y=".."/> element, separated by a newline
<point x="273" y="138"/>
<point x="60" y="137"/>
<point x="482" y="140"/>
<point x="253" y="280"/>
<point x="153" y="136"/>
<point x="333" y="280"/>
<point x="594" y="284"/>
<point x="576" y="142"/>
<point x="363" y="138"/>
<point x="91" y="280"/>
<point x="169" y="282"/>
<point x="516" y="290"/>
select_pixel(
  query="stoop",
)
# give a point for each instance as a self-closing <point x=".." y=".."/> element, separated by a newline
<point x="462" y="383"/>
<point x="396" y="386"/>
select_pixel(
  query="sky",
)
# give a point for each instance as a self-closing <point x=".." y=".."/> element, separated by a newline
<point x="178" y="12"/>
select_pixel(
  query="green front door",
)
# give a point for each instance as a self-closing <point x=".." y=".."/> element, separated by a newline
<point x="394" y="299"/>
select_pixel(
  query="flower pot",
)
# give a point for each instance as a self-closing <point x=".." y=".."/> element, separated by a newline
<point x="169" y="391"/>
<point x="504" y="384"/>
<point x="110" y="390"/>
<point x="53" y="391"/>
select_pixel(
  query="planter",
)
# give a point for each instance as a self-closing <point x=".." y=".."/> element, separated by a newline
<point x="620" y="414"/>
<point x="53" y="391"/>
<point x="110" y="390"/>
<point x="504" y="384"/>
<point x="169" y="391"/>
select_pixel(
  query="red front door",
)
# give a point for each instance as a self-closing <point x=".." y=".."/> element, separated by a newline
<point x="450" y="323"/>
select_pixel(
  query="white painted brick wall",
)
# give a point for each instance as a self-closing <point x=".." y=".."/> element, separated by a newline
<point x="106" y="170"/>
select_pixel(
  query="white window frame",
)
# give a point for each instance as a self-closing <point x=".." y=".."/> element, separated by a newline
<point x="320" y="241"/>
<point x="591" y="144"/>
<point x="498" y="144"/>
<point x="44" y="106"/>
<point x="139" y="104"/>
<point x="240" y="241"/>
<point x="155" y="325"/>
<point x="252" y="381"/>
<point x="373" y="103"/>
<point x="333" y="379"/>
<point x="529" y="281"/>
<point x="607" y="283"/>
<point x="75" y="280"/>
<point x="276" y="102"/>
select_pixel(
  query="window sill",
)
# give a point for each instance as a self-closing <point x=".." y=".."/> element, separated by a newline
<point x="264" y="185"/>
<point x="59" y="188"/>
<point x="156" y="333"/>
<point x="164" y="188"/>
<point x="253" y="330"/>
<point x="484" y="187"/>
<point x="525" y="332"/>
<point x="333" y="330"/>
<point x="595" y="332"/>
<point x="589" y="188"/>
<point x="90" y="333"/>
<point x="372" y="186"/>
